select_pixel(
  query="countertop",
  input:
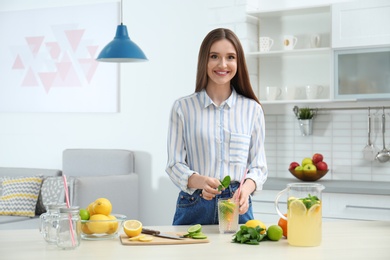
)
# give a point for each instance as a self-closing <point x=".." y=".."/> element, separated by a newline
<point x="341" y="240"/>
<point x="335" y="186"/>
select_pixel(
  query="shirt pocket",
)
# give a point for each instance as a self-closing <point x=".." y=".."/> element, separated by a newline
<point x="239" y="148"/>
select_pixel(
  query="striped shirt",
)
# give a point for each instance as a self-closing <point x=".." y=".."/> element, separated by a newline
<point x="216" y="141"/>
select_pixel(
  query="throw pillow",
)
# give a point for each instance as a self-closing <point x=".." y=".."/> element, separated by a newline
<point x="20" y="195"/>
<point x="52" y="192"/>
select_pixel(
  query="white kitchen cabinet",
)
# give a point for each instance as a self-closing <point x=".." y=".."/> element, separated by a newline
<point x="335" y="206"/>
<point x="362" y="73"/>
<point x="356" y="206"/>
<point x="360" y="23"/>
<point x="264" y="207"/>
<point x="305" y="64"/>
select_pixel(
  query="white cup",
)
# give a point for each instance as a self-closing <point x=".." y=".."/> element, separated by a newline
<point x="291" y="92"/>
<point x="289" y="42"/>
<point x="265" y="43"/>
<point x="313" y="91"/>
<point x="273" y="93"/>
<point x="315" y="40"/>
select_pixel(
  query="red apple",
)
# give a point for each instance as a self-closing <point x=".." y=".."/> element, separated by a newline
<point x="293" y="165"/>
<point x="309" y="169"/>
<point x="322" y="166"/>
<point x="317" y="157"/>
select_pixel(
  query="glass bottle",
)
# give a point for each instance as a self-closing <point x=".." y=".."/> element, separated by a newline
<point x="69" y="228"/>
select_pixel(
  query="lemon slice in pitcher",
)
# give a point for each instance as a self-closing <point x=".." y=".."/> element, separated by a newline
<point x="315" y="209"/>
<point x="297" y="207"/>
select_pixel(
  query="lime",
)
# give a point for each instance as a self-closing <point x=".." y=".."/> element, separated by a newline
<point x="275" y="232"/>
<point x="194" y="229"/>
<point x="84" y="214"/>
<point x="199" y="235"/>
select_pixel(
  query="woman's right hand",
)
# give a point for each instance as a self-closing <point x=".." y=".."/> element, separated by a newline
<point x="208" y="185"/>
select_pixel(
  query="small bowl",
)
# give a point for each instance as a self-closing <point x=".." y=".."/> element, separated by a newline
<point x="309" y="177"/>
<point x="112" y="230"/>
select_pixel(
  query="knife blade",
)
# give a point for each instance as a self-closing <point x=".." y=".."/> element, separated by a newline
<point x="159" y="234"/>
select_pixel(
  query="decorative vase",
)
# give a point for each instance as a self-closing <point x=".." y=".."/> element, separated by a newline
<point x="306" y="126"/>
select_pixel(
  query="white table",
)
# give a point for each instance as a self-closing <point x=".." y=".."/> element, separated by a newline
<point x="341" y="240"/>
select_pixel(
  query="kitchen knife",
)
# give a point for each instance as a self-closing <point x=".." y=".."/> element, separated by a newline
<point x="159" y="234"/>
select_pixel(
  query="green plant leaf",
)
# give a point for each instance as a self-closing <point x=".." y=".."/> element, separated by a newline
<point x="224" y="183"/>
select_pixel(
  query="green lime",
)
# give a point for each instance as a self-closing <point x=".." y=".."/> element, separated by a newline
<point x="275" y="232"/>
<point x="199" y="235"/>
<point x="194" y="229"/>
<point x="84" y="214"/>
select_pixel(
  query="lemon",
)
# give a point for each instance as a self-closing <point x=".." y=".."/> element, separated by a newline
<point x="297" y="208"/>
<point x="113" y="224"/>
<point x="314" y="209"/>
<point x="98" y="223"/>
<point x="85" y="230"/>
<point x="136" y="237"/>
<point x="132" y="228"/>
<point x="275" y="233"/>
<point x="90" y="209"/>
<point x="102" y="206"/>
<point x="254" y="223"/>
<point x="146" y="239"/>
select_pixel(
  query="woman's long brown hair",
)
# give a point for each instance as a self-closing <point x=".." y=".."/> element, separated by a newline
<point x="240" y="81"/>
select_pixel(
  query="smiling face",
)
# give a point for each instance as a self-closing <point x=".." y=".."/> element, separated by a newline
<point x="222" y="64"/>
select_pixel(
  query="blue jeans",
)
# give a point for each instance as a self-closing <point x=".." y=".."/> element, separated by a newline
<point x="193" y="209"/>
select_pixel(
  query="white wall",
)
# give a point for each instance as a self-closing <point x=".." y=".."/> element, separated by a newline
<point x="170" y="33"/>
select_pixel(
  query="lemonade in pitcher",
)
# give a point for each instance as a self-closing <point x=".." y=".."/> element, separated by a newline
<point x="304" y="213"/>
<point x="304" y="221"/>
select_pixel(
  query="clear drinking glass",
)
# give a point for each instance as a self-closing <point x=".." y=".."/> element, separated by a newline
<point x="304" y="213"/>
<point x="49" y="221"/>
<point x="228" y="215"/>
<point x="69" y="228"/>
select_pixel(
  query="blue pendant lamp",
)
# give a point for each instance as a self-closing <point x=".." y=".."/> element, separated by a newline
<point x="121" y="48"/>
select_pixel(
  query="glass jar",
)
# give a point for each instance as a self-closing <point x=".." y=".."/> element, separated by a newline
<point x="48" y="222"/>
<point x="69" y="228"/>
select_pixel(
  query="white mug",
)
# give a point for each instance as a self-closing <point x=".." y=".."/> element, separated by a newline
<point x="273" y="93"/>
<point x="315" y="40"/>
<point x="289" y="42"/>
<point x="265" y="43"/>
<point x="313" y="91"/>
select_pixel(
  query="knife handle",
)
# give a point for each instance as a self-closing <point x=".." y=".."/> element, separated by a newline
<point x="150" y="231"/>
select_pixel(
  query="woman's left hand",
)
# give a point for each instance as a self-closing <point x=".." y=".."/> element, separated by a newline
<point x="246" y="190"/>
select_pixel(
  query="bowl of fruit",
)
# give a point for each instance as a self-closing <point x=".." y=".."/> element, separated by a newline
<point x="311" y="169"/>
<point x="98" y="223"/>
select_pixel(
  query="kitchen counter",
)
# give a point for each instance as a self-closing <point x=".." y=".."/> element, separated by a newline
<point x="335" y="186"/>
<point x="341" y="240"/>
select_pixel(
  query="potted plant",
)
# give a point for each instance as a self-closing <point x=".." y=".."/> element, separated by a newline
<point x="305" y="119"/>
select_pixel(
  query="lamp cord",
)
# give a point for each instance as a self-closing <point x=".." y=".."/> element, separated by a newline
<point x="121" y="12"/>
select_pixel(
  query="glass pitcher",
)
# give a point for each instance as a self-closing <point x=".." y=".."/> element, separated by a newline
<point x="304" y="213"/>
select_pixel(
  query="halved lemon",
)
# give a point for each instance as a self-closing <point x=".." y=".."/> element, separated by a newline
<point x="132" y="227"/>
<point x="297" y="207"/>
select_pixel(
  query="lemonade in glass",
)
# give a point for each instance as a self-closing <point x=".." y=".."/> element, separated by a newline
<point x="227" y="215"/>
<point x="304" y="216"/>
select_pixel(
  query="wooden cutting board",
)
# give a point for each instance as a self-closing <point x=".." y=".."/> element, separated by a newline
<point x="162" y="241"/>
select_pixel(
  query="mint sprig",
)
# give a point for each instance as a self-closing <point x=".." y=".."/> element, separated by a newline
<point x="224" y="183"/>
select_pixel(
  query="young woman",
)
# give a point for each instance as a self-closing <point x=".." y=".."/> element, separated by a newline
<point x="215" y="132"/>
